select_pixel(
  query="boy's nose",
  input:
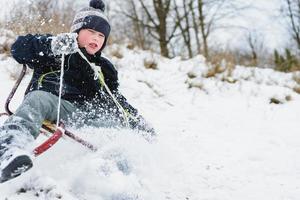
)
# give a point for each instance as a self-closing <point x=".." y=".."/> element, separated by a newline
<point x="95" y="39"/>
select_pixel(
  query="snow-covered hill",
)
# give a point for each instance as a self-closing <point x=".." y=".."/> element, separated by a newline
<point x="220" y="139"/>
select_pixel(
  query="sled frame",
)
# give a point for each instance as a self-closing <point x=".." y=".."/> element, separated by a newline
<point x="57" y="132"/>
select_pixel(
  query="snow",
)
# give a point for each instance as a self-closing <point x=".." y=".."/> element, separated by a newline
<point x="222" y="141"/>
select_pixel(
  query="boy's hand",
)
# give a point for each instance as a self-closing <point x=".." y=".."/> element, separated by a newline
<point x="64" y="43"/>
<point x="141" y="124"/>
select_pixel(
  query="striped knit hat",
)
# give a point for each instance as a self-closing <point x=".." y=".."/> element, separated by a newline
<point x="92" y="17"/>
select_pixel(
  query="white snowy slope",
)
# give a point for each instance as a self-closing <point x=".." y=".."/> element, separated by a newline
<point x="224" y="141"/>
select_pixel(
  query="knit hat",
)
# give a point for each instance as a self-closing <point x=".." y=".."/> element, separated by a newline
<point x="92" y="17"/>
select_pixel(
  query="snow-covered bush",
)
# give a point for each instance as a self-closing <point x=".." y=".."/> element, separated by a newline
<point x="296" y="78"/>
<point x="150" y="62"/>
<point x="7" y="37"/>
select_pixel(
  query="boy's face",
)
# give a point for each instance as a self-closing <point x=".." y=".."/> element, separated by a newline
<point x="91" y="40"/>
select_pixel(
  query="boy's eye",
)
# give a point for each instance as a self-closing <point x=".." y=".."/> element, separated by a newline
<point x="93" y="31"/>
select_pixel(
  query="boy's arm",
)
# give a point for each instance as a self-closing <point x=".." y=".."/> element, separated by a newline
<point x="33" y="49"/>
<point x="136" y="121"/>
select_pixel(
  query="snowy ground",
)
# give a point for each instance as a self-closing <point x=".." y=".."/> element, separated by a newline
<point x="222" y="142"/>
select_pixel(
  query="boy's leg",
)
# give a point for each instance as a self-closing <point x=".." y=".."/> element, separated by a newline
<point x="96" y="114"/>
<point x="20" y="129"/>
<point x="37" y="107"/>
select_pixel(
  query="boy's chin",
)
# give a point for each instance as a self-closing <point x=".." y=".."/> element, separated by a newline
<point x="91" y="51"/>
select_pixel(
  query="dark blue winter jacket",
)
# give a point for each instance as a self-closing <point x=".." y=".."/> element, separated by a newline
<point x="79" y="84"/>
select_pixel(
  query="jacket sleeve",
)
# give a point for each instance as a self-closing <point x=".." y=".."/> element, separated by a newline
<point x="33" y="49"/>
<point x="124" y="103"/>
<point x="136" y="121"/>
<point x="112" y="81"/>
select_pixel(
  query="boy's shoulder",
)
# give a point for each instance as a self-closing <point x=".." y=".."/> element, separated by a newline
<point x="105" y="59"/>
<point x="108" y="68"/>
<point x="105" y="62"/>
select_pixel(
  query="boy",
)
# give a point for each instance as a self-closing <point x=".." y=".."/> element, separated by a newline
<point x="85" y="100"/>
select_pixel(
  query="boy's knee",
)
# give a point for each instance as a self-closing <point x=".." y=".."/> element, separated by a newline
<point x="37" y="94"/>
<point x="40" y="98"/>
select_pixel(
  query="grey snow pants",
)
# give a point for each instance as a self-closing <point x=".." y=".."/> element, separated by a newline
<point x="37" y="107"/>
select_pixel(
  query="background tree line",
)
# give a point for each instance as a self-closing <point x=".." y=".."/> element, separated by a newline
<point x="170" y="27"/>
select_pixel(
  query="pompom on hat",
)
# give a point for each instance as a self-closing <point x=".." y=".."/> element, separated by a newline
<point x="92" y="17"/>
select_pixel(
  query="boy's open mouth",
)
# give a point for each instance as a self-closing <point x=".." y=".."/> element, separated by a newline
<point x="93" y="45"/>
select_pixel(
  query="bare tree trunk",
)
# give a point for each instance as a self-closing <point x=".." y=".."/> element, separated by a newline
<point x="162" y="9"/>
<point x="137" y="27"/>
<point x="252" y="44"/>
<point x="195" y="26"/>
<point x="185" y="33"/>
<point x="293" y="13"/>
<point x="202" y="28"/>
<point x="186" y="16"/>
<point x="157" y="24"/>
